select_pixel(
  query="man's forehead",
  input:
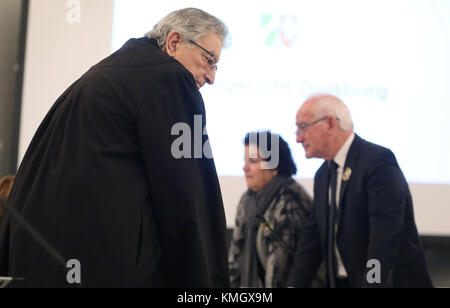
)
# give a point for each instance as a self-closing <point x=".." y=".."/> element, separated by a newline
<point x="303" y="115"/>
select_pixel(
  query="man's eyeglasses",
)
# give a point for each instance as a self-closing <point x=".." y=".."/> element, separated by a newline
<point x="303" y="126"/>
<point x="210" y="62"/>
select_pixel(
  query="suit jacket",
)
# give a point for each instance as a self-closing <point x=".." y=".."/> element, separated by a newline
<point x="100" y="184"/>
<point x="376" y="222"/>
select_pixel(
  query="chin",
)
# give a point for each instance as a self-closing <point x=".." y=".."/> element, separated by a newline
<point x="251" y="187"/>
<point x="254" y="189"/>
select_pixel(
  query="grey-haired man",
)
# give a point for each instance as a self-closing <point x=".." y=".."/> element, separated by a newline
<point x="99" y="181"/>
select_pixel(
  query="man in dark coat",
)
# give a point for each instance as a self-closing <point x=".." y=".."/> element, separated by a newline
<point x="101" y="182"/>
<point x="362" y="223"/>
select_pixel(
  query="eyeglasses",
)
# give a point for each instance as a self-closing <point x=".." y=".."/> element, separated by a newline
<point x="210" y="62"/>
<point x="303" y="126"/>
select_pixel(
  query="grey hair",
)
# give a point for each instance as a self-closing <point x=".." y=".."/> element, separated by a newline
<point x="329" y="105"/>
<point x="191" y="23"/>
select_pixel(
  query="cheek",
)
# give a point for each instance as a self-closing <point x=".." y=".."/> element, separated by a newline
<point x="255" y="171"/>
<point x="314" y="138"/>
<point x="268" y="176"/>
<point x="256" y="175"/>
<point x="198" y="72"/>
<point x="187" y="63"/>
<point x="314" y="144"/>
<point x="191" y="68"/>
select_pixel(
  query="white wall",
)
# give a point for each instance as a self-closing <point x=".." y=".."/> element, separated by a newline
<point x="59" y="52"/>
<point x="431" y="203"/>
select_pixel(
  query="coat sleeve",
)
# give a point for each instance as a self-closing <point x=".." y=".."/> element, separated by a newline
<point x="184" y="192"/>
<point x="308" y="255"/>
<point x="387" y="197"/>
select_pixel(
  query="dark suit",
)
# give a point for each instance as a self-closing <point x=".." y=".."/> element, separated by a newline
<point x="376" y="221"/>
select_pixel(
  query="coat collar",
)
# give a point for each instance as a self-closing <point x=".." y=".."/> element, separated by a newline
<point x="350" y="165"/>
<point x="322" y="178"/>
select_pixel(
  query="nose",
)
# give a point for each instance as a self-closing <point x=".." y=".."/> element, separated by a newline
<point x="210" y="76"/>
<point x="245" y="168"/>
<point x="300" y="138"/>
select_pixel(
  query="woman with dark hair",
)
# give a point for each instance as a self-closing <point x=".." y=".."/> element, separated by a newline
<point x="274" y="200"/>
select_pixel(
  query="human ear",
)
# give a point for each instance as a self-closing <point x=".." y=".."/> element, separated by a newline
<point x="332" y="124"/>
<point x="173" y="39"/>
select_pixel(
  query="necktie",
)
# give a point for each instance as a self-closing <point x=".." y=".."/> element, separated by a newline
<point x="331" y="225"/>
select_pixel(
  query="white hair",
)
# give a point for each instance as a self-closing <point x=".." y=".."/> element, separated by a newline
<point x="191" y="23"/>
<point x="329" y="105"/>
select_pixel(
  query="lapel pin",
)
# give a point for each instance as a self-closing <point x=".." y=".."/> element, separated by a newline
<point x="347" y="174"/>
<point x="265" y="228"/>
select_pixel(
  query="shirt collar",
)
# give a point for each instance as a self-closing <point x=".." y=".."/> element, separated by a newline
<point x="341" y="155"/>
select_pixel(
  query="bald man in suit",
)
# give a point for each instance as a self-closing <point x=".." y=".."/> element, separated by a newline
<point x="362" y="223"/>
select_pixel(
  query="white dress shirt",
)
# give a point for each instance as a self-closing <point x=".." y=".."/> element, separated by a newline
<point x="340" y="159"/>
